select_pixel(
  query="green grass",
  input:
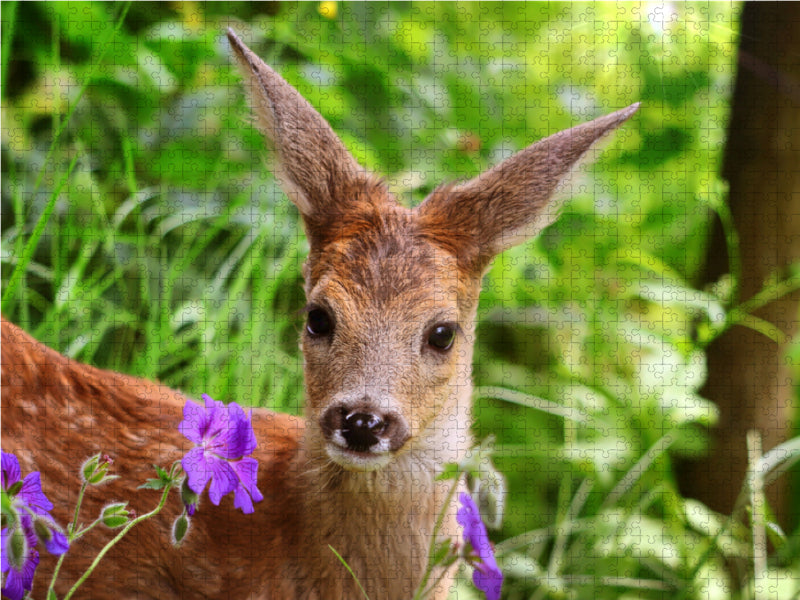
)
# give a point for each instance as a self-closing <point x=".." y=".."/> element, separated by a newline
<point x="142" y="232"/>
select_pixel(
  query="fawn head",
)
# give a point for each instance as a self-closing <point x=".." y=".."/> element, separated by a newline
<point x="392" y="291"/>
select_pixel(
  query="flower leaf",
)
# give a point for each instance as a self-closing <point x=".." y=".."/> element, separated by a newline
<point x="162" y="473"/>
<point x="444" y="553"/>
<point x="153" y="484"/>
<point x="450" y="471"/>
<point x="157" y="484"/>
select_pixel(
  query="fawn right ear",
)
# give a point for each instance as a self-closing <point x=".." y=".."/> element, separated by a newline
<point x="316" y="171"/>
<point x="511" y="202"/>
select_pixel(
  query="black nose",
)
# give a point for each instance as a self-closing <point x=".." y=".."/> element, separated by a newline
<point x="361" y="425"/>
<point x="361" y="430"/>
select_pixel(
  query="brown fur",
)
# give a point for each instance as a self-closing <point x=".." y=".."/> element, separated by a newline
<point x="386" y="275"/>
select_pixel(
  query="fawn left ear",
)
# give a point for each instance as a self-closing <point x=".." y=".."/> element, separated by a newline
<point x="508" y="204"/>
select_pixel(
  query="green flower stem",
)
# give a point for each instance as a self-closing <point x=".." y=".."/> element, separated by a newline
<point x="432" y="587"/>
<point x="73" y="527"/>
<point x="84" y="530"/>
<point x="71" y="535"/>
<point x="119" y="536"/>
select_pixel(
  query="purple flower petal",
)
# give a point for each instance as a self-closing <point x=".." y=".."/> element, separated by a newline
<point x="246" y="492"/>
<point x="58" y="543"/>
<point x="233" y="436"/>
<point x="215" y="415"/>
<point x="32" y="494"/>
<point x="242" y="500"/>
<point x="197" y="469"/>
<point x="10" y="470"/>
<point x="194" y="419"/>
<point x="489" y="582"/>
<point x="247" y="437"/>
<point x="4" y="536"/>
<point x="223" y="481"/>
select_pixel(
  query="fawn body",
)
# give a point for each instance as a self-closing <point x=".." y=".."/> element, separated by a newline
<point x="392" y="294"/>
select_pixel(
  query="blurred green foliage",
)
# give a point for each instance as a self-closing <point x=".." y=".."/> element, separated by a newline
<point x="143" y="232"/>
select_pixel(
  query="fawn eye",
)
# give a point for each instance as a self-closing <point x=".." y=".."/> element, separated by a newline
<point x="319" y="322"/>
<point x="442" y="336"/>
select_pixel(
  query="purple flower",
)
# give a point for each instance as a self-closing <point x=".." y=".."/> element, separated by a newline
<point x="10" y="473"/>
<point x="487" y="576"/>
<point x="224" y="440"/>
<point x="19" y="558"/>
<point x="28" y="521"/>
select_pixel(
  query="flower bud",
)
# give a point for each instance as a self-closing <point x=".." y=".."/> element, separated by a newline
<point x="190" y="498"/>
<point x="42" y="531"/>
<point x="179" y="529"/>
<point x="50" y="535"/>
<point x="95" y="469"/>
<point x="17" y="548"/>
<point x="115" y="515"/>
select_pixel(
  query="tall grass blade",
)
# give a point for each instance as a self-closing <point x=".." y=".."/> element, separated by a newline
<point x="349" y="570"/>
<point x="535" y="402"/>
<point x="33" y="241"/>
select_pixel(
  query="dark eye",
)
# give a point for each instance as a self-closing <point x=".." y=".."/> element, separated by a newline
<point x="441" y="336"/>
<point x="318" y="322"/>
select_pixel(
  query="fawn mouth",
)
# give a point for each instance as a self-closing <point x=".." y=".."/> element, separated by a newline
<point x="357" y="459"/>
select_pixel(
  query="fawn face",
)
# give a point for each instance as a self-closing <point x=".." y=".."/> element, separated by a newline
<point x="392" y="291"/>
<point x="388" y="337"/>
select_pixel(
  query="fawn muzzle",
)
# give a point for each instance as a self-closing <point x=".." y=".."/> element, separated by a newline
<point x="363" y="436"/>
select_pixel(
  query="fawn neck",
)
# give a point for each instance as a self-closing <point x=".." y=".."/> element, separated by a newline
<point x="379" y="291"/>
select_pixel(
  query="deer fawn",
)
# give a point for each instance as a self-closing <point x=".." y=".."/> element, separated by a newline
<point x="392" y="295"/>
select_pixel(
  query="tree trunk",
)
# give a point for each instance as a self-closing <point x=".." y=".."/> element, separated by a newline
<point x="749" y="376"/>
